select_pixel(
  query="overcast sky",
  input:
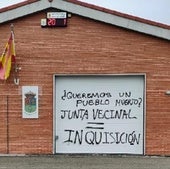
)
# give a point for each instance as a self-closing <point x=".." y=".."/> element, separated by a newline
<point x="155" y="10"/>
<point x="4" y="3"/>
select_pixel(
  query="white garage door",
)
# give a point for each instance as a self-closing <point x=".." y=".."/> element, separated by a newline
<point x="99" y="114"/>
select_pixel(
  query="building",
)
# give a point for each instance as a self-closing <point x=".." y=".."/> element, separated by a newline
<point x="87" y="80"/>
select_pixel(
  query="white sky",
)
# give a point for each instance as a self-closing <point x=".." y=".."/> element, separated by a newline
<point x="4" y="3"/>
<point x="155" y="10"/>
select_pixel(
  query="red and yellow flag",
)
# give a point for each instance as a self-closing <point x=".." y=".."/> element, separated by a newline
<point x="7" y="57"/>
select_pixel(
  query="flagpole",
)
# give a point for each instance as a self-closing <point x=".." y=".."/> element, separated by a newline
<point x="16" y="79"/>
<point x="12" y="27"/>
<point x="7" y="123"/>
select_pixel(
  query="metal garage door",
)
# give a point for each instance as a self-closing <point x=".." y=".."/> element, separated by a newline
<point x="99" y="114"/>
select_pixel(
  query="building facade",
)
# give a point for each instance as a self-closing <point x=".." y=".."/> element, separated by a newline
<point x="93" y="51"/>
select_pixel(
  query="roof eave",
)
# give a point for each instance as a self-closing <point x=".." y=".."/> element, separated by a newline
<point x="113" y="19"/>
<point x="20" y="11"/>
<point x="86" y="12"/>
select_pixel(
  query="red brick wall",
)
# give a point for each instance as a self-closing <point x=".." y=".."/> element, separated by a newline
<point x="84" y="47"/>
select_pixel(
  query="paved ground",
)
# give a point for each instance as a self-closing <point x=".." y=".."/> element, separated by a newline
<point x="83" y="162"/>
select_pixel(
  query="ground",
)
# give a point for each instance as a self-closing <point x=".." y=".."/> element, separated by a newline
<point x="84" y="162"/>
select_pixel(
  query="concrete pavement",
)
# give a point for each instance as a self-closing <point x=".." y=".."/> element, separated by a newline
<point x="84" y="162"/>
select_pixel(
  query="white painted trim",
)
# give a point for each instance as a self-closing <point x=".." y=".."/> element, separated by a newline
<point x="54" y="115"/>
<point x="23" y="11"/>
<point x="86" y="12"/>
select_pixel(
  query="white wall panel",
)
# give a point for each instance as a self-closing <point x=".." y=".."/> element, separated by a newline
<point x="99" y="114"/>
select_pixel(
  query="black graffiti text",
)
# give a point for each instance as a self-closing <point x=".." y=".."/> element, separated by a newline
<point x="113" y="114"/>
<point x="75" y="114"/>
<point x="92" y="102"/>
<point x="128" y="102"/>
<point x="125" y="94"/>
<point x="91" y="137"/>
<point x="71" y="95"/>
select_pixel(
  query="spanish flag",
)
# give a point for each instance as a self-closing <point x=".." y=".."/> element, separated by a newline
<point x="7" y="57"/>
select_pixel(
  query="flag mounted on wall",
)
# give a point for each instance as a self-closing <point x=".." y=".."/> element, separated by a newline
<point x="7" y="57"/>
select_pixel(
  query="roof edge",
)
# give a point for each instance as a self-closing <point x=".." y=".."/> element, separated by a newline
<point x="90" y="11"/>
<point x="11" y="7"/>
<point x="113" y="12"/>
